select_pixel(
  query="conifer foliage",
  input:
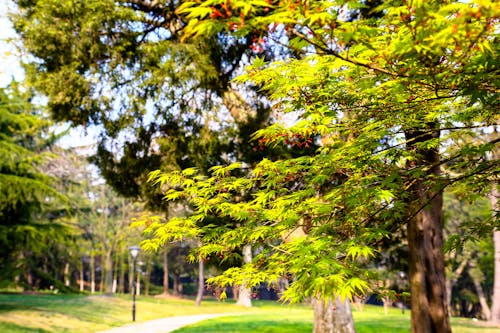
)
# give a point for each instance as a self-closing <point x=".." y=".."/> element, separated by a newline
<point x="27" y="195"/>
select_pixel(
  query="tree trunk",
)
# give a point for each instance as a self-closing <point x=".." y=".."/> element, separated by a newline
<point x="108" y="273"/>
<point x="121" y="280"/>
<point x="429" y="308"/>
<point x="244" y="292"/>
<point x="82" y="276"/>
<point x="388" y="302"/>
<point x="29" y="279"/>
<point x="495" y="306"/>
<point x="165" y="271"/>
<point x="236" y="291"/>
<point x="138" y="282"/>
<point x="147" y="277"/>
<point x="332" y="318"/>
<point x="116" y="270"/>
<point x="92" y="273"/>
<point x="359" y="302"/>
<point x="283" y="285"/>
<point x="477" y="276"/>
<point x="177" y="284"/>
<point x="66" y="274"/>
<point x="449" y="290"/>
<point x="102" y="277"/>
<point x="201" y="282"/>
<point x="452" y="280"/>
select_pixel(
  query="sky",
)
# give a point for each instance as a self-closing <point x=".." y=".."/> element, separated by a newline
<point x="9" y="57"/>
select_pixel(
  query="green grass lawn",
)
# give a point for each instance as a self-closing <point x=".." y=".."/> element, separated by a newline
<point x="88" y="314"/>
<point x="82" y="314"/>
<point x="299" y="320"/>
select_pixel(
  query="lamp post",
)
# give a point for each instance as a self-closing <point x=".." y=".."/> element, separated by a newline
<point x="134" y="252"/>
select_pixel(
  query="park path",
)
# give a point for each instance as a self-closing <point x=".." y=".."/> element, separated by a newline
<point x="164" y="325"/>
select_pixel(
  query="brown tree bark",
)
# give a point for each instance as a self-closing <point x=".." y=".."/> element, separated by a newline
<point x="477" y="277"/>
<point x="452" y="280"/>
<point x="388" y="302"/>
<point x="123" y="268"/>
<point x="427" y="275"/>
<point x="495" y="306"/>
<point x="108" y="273"/>
<point x="201" y="282"/>
<point x="177" y="284"/>
<point x="147" y="277"/>
<point x="82" y="276"/>
<point x="116" y="271"/>
<point x="66" y="274"/>
<point x="92" y="272"/>
<point x="429" y="308"/>
<point x="165" y="271"/>
<point x="332" y="316"/>
<point x="138" y="282"/>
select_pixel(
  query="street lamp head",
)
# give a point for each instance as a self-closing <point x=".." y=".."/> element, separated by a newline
<point x="134" y="251"/>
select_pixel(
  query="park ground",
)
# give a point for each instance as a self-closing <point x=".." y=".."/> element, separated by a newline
<point x="47" y="313"/>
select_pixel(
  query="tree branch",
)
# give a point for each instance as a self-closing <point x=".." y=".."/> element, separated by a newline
<point x="346" y="58"/>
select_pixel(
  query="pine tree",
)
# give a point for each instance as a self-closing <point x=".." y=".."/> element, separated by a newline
<point x="29" y="202"/>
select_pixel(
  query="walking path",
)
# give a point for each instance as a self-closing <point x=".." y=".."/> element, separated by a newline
<point x="164" y="325"/>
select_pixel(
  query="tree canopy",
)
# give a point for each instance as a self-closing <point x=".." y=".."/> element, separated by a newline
<point x="394" y="103"/>
<point x="29" y="201"/>
<point x="401" y="105"/>
<point x="158" y="102"/>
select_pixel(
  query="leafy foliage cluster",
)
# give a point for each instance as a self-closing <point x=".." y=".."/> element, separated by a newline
<point x="400" y="110"/>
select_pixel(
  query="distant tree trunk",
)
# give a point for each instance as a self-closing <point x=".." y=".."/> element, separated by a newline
<point x="29" y="278"/>
<point x="477" y="277"/>
<point x="116" y="270"/>
<point x="147" y="278"/>
<point x="102" y="278"/>
<point x="82" y="276"/>
<point x="236" y="291"/>
<point x="177" y="284"/>
<point x="330" y="317"/>
<point x="283" y="284"/>
<point x="66" y="274"/>
<point x="19" y="265"/>
<point x="138" y="282"/>
<point x="131" y="277"/>
<point x="108" y="273"/>
<point x="92" y="272"/>
<point x="452" y="280"/>
<point x="388" y="302"/>
<point x="201" y="282"/>
<point x="359" y="303"/>
<point x="244" y="292"/>
<point x="495" y="306"/>
<point x="121" y="280"/>
<point x="429" y="309"/>
<point x="165" y="271"/>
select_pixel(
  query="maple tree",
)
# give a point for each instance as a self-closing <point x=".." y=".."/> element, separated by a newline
<point x="392" y="101"/>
